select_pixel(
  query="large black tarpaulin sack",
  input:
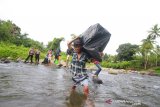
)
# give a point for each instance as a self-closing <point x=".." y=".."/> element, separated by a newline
<point x="95" y="39"/>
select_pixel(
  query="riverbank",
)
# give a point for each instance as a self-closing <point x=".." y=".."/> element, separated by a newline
<point x="92" y="67"/>
<point x="151" y="72"/>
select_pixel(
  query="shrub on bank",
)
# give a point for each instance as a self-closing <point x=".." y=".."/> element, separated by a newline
<point x="121" y="65"/>
<point x="63" y="56"/>
<point x="14" y="52"/>
<point x="157" y="70"/>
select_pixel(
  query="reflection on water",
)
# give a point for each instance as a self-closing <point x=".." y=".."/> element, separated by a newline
<point x="76" y="99"/>
<point x="29" y="85"/>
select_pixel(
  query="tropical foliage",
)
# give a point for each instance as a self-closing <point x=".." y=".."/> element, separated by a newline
<point x="146" y="55"/>
<point x="55" y="43"/>
<point x="126" y="52"/>
<point x="11" y="33"/>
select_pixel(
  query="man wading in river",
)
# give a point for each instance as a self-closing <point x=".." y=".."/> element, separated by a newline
<point x="78" y="70"/>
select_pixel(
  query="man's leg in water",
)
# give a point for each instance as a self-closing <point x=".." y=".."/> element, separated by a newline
<point x="84" y="83"/>
<point x="31" y="58"/>
<point x="38" y="59"/>
<point x="27" y="58"/>
<point x="74" y="87"/>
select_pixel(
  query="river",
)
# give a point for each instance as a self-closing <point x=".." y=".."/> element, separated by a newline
<point x="29" y="85"/>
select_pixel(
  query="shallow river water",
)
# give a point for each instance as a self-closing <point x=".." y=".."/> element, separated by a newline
<point x="29" y="85"/>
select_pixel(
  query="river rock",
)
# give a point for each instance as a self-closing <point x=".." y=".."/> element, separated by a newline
<point x="122" y="71"/>
<point x="18" y="60"/>
<point x="152" y="73"/>
<point x="142" y="73"/>
<point x="62" y="63"/>
<point x="7" y="61"/>
<point x="134" y="71"/>
<point x="3" y="59"/>
<point x="115" y="72"/>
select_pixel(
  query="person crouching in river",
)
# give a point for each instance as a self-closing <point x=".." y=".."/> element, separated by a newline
<point x="78" y="70"/>
<point x="30" y="55"/>
<point x="49" y="57"/>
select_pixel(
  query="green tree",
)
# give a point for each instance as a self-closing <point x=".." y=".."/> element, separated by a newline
<point x="105" y="57"/>
<point x="49" y="44"/>
<point x="154" y="32"/>
<point x="10" y="32"/>
<point x="109" y="58"/>
<point x="55" y="43"/>
<point x="149" y="48"/>
<point x="146" y="49"/>
<point x="126" y="51"/>
<point x="157" y="54"/>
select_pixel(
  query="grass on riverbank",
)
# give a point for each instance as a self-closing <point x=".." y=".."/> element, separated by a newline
<point x="13" y="52"/>
<point x="157" y="70"/>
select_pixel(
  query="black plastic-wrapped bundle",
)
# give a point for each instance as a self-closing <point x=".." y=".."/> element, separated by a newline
<point x="95" y="39"/>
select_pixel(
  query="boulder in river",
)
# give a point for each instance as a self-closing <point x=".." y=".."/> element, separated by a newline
<point x="151" y="73"/>
<point x="115" y="72"/>
<point x="142" y="73"/>
<point x="7" y="61"/>
<point x="18" y="60"/>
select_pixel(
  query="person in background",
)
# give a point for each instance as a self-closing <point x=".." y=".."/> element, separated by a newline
<point x="45" y="61"/>
<point x="69" y="53"/>
<point x="97" y="63"/>
<point x="49" y="55"/>
<point x="30" y="55"/>
<point x="57" y="56"/>
<point x="37" y="54"/>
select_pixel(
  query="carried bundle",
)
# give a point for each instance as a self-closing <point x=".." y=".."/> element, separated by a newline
<point x="95" y="39"/>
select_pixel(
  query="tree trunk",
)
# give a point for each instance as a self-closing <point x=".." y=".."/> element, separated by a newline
<point x="156" y="60"/>
<point x="146" y="60"/>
